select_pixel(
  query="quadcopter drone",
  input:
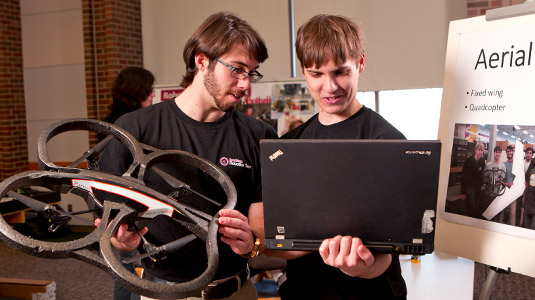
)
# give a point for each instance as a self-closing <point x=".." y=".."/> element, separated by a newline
<point x="494" y="182"/>
<point x="139" y="205"/>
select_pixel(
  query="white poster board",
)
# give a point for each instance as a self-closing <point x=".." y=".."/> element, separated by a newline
<point x="489" y="81"/>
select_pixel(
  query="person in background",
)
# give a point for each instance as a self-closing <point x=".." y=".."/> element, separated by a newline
<point x="132" y="89"/>
<point x="471" y="181"/>
<point x="528" y="202"/>
<point x="222" y="59"/>
<point x="528" y="165"/>
<point x="528" y="157"/>
<point x="495" y="165"/>
<point x="510" y="210"/>
<point x="331" y="51"/>
<point x="493" y="173"/>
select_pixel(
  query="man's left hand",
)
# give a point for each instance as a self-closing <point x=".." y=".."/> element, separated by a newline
<point x="353" y="258"/>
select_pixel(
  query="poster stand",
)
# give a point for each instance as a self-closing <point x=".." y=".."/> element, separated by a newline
<point x="496" y="14"/>
<point x="488" y="286"/>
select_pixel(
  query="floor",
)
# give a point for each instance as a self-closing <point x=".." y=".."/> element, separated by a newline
<point x="77" y="280"/>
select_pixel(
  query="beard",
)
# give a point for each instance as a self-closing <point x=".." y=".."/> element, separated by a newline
<point x="213" y="87"/>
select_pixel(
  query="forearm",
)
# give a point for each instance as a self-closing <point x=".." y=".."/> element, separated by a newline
<point x="285" y="254"/>
<point x="380" y="265"/>
<point x="256" y="223"/>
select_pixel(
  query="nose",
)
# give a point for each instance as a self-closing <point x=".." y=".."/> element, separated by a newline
<point x="330" y="85"/>
<point x="244" y="84"/>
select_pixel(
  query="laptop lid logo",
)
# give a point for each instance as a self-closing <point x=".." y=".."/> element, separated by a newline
<point x="275" y="155"/>
<point x="418" y="152"/>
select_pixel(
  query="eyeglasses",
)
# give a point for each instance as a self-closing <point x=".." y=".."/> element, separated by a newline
<point x="237" y="73"/>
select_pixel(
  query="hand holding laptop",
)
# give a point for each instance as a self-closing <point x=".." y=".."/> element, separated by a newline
<point x="353" y="258"/>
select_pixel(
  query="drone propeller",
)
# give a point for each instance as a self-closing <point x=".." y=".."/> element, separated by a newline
<point x="49" y="210"/>
<point x="176" y="183"/>
<point x="164" y="249"/>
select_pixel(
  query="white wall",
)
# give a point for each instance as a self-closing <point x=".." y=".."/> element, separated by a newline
<point x="54" y="77"/>
<point x="405" y="40"/>
<point x="167" y="25"/>
<point x="54" y="72"/>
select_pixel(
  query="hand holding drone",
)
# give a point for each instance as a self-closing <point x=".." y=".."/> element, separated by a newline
<point x="139" y="205"/>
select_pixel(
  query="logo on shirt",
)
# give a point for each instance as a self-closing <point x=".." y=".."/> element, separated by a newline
<point x="224" y="161"/>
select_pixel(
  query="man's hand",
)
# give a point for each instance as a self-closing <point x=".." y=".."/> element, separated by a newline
<point x="235" y="230"/>
<point x="123" y="239"/>
<point x="353" y="258"/>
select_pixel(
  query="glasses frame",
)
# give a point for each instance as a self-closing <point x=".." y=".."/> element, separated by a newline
<point x="238" y="73"/>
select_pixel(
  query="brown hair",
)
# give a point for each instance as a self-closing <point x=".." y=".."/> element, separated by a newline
<point x="326" y="37"/>
<point x="216" y="36"/>
<point x="480" y="146"/>
<point x="131" y="87"/>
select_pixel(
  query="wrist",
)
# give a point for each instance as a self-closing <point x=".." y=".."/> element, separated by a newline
<point x="256" y="247"/>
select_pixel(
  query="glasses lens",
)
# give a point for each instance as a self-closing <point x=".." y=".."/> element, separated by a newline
<point x="239" y="74"/>
<point x="255" y="77"/>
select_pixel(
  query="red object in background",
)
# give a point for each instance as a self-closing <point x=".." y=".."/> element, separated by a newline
<point x="170" y="94"/>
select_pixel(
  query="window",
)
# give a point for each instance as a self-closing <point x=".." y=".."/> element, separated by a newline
<point x="415" y="113"/>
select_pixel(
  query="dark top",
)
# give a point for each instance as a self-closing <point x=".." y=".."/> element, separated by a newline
<point x="308" y="277"/>
<point x="472" y="175"/>
<point x="232" y="143"/>
<point x="118" y="111"/>
<point x="530" y="191"/>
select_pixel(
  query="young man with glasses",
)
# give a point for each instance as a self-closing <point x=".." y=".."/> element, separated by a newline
<point x="331" y="52"/>
<point x="222" y="58"/>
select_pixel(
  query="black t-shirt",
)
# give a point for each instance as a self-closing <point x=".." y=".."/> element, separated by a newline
<point x="472" y="174"/>
<point x="232" y="143"/>
<point x="308" y="277"/>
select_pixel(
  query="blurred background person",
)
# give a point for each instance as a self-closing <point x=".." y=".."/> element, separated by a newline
<point x="132" y="90"/>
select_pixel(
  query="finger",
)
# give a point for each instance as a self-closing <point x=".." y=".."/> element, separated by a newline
<point x="365" y="255"/>
<point x="232" y="213"/>
<point x="238" y="246"/>
<point x="324" y="249"/>
<point x="334" y="246"/>
<point x="345" y="245"/>
<point x="122" y="232"/>
<point x="97" y="222"/>
<point x="234" y="222"/>
<point x="243" y="234"/>
<point x="144" y="230"/>
<point x="344" y="248"/>
<point x="230" y="232"/>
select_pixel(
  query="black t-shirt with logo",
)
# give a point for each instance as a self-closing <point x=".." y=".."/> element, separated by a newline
<point x="232" y="143"/>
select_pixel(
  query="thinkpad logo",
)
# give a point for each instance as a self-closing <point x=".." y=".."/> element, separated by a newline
<point x="275" y="155"/>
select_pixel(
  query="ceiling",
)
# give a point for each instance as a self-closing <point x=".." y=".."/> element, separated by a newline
<point x="510" y="132"/>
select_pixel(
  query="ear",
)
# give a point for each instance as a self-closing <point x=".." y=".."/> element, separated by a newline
<point x="201" y="61"/>
<point x="361" y="63"/>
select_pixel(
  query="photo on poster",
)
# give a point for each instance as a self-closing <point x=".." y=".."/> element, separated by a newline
<point x="490" y="166"/>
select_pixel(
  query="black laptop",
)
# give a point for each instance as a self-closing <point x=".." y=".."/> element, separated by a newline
<point x="382" y="191"/>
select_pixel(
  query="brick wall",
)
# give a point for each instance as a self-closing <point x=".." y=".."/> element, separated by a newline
<point x="13" y="140"/>
<point x="480" y="7"/>
<point x="112" y="41"/>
